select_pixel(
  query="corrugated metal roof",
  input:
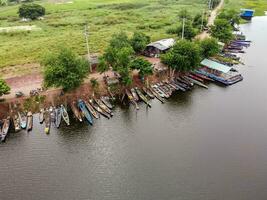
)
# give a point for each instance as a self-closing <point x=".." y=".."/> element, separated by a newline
<point x="215" y="65"/>
<point x="163" y="44"/>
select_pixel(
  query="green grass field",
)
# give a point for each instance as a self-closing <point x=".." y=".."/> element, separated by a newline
<point x="64" y="24"/>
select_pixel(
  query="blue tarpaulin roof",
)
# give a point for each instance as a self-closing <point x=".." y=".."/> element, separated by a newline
<point x="215" y="65"/>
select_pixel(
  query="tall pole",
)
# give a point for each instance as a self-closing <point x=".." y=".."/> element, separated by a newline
<point x="86" y="34"/>
<point x="202" y="20"/>
<point x="183" y="28"/>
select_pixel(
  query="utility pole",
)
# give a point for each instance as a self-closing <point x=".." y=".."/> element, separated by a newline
<point x="86" y="34"/>
<point x="202" y="20"/>
<point x="183" y="28"/>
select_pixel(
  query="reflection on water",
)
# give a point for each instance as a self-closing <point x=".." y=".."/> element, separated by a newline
<point x="203" y="144"/>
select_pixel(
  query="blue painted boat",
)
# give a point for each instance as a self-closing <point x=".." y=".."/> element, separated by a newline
<point x="86" y="113"/>
<point x="247" y="14"/>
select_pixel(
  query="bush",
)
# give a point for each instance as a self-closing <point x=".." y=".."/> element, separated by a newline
<point x="4" y="88"/>
<point x="31" y="11"/>
<point x="139" y="41"/>
<point x="209" y="47"/>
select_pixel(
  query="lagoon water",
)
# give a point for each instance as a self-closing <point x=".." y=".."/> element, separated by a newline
<point x="203" y="144"/>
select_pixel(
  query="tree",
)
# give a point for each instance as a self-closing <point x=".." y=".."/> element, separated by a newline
<point x="3" y="2"/>
<point x="144" y="67"/>
<point x="139" y="41"/>
<point x="222" y="30"/>
<point x="209" y="47"/>
<point x="184" y="14"/>
<point x="197" y="21"/>
<point x="64" y="69"/>
<point x="102" y="66"/>
<point x="233" y="16"/>
<point x="189" y="31"/>
<point x="183" y="57"/>
<point x="4" y="88"/>
<point x="94" y="84"/>
<point x="31" y="11"/>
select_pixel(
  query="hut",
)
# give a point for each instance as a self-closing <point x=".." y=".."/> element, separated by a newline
<point x="154" y="49"/>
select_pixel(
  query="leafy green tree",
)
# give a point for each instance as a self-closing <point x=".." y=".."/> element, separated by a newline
<point x="144" y="67"/>
<point x="102" y="66"/>
<point x="222" y="30"/>
<point x="231" y="15"/>
<point x="184" y="14"/>
<point x="4" y="88"/>
<point x="183" y="57"/>
<point x="197" y="21"/>
<point x="209" y="47"/>
<point x="139" y="41"/>
<point x="31" y="11"/>
<point x="189" y="31"/>
<point x="64" y="69"/>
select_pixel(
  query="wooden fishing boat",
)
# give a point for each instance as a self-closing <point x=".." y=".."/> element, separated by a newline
<point x="148" y="93"/>
<point x="98" y="109"/>
<point x="187" y="82"/>
<point x="16" y="122"/>
<point x="58" y="117"/>
<point x="158" y="91"/>
<point x="41" y="116"/>
<point x="106" y="101"/>
<point x="197" y="82"/>
<point x="22" y="119"/>
<point x="131" y="99"/>
<point x="195" y="78"/>
<point x="29" y="121"/>
<point x="76" y="112"/>
<point x="92" y="110"/>
<point x="85" y="112"/>
<point x="103" y="106"/>
<point x="65" y="115"/>
<point x="142" y="96"/>
<point x="163" y="90"/>
<point x="156" y="95"/>
<point x="182" y="85"/>
<point x="202" y="76"/>
<point x="47" y="121"/>
<point x="135" y="96"/>
<point x="5" y="129"/>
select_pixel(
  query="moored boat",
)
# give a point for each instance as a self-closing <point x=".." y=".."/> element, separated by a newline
<point x="98" y="109"/>
<point x="22" y="119"/>
<point x="65" y="115"/>
<point x="58" y="117"/>
<point x="41" y="116"/>
<point x="76" y="111"/>
<point x="131" y="99"/>
<point x="5" y="129"/>
<point x="134" y="94"/>
<point x="47" y="121"/>
<point x="197" y="82"/>
<point x="103" y="106"/>
<point x="29" y="121"/>
<point x="106" y="101"/>
<point x="148" y="92"/>
<point x="16" y="123"/>
<point x="92" y="110"/>
<point x="85" y="112"/>
<point x="156" y="95"/>
<point x="142" y="96"/>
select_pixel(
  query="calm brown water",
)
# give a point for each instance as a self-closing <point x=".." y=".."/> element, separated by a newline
<point x="204" y="144"/>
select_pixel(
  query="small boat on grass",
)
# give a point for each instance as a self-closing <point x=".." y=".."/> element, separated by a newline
<point x="75" y="111"/>
<point x="103" y="106"/>
<point x="16" y="122"/>
<point x="134" y="94"/>
<point x="197" y="82"/>
<point x="22" y="119"/>
<point x="98" y="109"/>
<point x="5" y="129"/>
<point x="142" y="96"/>
<point x="131" y="99"/>
<point x="85" y="112"/>
<point x="92" y="110"/>
<point x="58" y="117"/>
<point x="47" y="121"/>
<point x="148" y="92"/>
<point x="41" y="116"/>
<point x="157" y="95"/>
<point x="29" y="121"/>
<point x="106" y="101"/>
<point x="65" y="115"/>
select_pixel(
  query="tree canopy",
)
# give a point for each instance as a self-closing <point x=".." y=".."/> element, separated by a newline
<point x="139" y="41"/>
<point x="184" y="14"/>
<point x="183" y="57"/>
<point x="209" y="47"/>
<point x="144" y="67"/>
<point x="31" y="11"/>
<point x="231" y="15"/>
<point x="64" y="69"/>
<point x="4" y="88"/>
<point x="222" y="30"/>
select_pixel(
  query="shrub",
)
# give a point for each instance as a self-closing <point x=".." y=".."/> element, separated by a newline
<point x="31" y="11"/>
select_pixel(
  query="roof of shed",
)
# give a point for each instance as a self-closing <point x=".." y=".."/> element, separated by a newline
<point x="215" y="65"/>
<point x="163" y="44"/>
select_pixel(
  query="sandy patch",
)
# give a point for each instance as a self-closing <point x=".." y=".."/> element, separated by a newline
<point x="19" y="28"/>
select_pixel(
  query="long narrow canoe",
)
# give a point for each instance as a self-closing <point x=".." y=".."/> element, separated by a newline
<point x="47" y="121"/>
<point x="156" y="95"/>
<point x="178" y="86"/>
<point x="148" y="93"/>
<point x="23" y="120"/>
<point x="76" y="111"/>
<point x="41" y="116"/>
<point x="158" y="91"/>
<point x="5" y="129"/>
<point x="103" y="106"/>
<point x="58" y="117"/>
<point x="106" y="101"/>
<point x="142" y="96"/>
<point x="98" y="109"/>
<point x="92" y="110"/>
<point x="16" y="122"/>
<point x="52" y="114"/>
<point x="29" y="121"/>
<point x="65" y="115"/>
<point x="131" y="99"/>
<point x="135" y="96"/>
<point x="195" y="78"/>
<point x="85" y="112"/>
<point x="197" y="82"/>
<point x="202" y="76"/>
